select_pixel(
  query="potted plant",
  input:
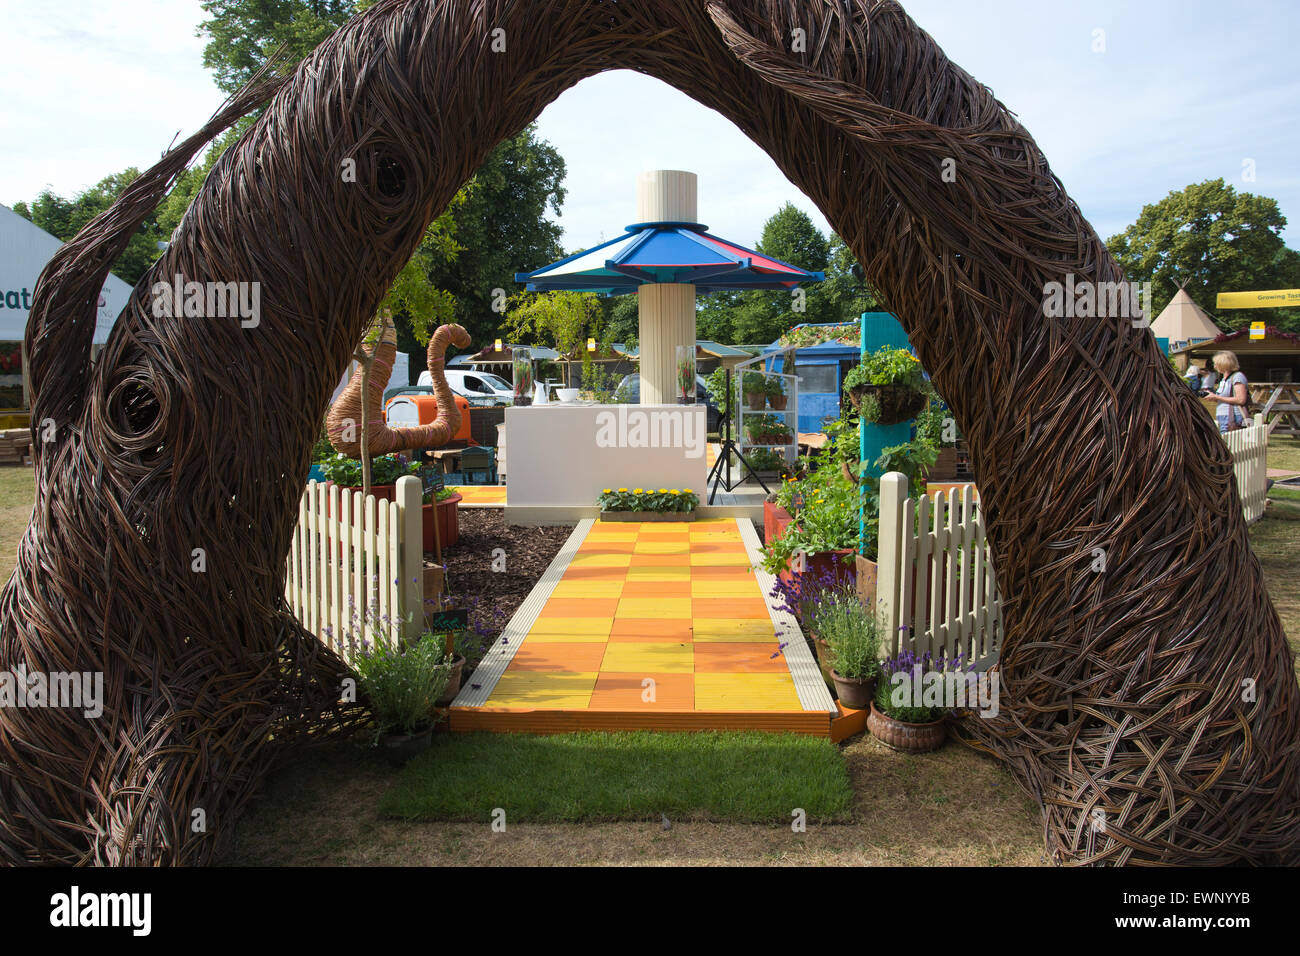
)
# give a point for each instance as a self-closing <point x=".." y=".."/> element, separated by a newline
<point x="852" y="637"/>
<point x="887" y="387"/>
<point x="641" y="504"/>
<point x="754" y="385"/>
<point x="823" y="528"/>
<point x="345" y="472"/>
<point x="900" y="715"/>
<point x="776" y="396"/>
<point x="441" y="506"/>
<point x="765" y="462"/>
<point x="767" y="430"/>
<point x="802" y="594"/>
<point x="401" y="686"/>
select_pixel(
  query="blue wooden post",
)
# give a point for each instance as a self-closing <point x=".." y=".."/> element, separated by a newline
<point x="878" y="329"/>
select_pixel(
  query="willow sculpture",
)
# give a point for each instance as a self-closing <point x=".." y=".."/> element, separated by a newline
<point x="1150" y="708"/>
<point x="343" y="423"/>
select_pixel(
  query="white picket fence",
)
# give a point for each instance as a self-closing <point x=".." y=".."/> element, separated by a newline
<point x="1249" y="448"/>
<point x="936" y="549"/>
<point x="356" y="565"/>
<point x="935" y="586"/>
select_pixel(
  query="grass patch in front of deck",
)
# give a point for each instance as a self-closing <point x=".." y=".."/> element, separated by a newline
<point x="727" y="777"/>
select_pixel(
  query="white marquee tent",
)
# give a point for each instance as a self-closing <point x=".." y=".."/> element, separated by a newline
<point x="24" y="250"/>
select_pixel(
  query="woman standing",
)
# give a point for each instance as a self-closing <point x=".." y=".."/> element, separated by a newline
<point x="1231" y="394"/>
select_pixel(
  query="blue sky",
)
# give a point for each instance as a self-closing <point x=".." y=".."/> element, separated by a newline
<point x="1185" y="90"/>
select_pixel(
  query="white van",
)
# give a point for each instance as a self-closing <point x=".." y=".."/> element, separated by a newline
<point x="481" y="388"/>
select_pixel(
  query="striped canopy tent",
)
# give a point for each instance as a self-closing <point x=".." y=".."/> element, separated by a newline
<point x="666" y="252"/>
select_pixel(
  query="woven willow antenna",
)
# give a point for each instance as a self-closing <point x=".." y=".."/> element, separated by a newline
<point x="1122" y="690"/>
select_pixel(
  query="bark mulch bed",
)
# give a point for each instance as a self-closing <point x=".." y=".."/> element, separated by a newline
<point x="493" y="596"/>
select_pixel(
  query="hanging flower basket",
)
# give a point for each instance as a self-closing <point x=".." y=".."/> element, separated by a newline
<point x="898" y="403"/>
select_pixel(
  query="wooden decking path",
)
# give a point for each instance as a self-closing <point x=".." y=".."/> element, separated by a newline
<point x="649" y="625"/>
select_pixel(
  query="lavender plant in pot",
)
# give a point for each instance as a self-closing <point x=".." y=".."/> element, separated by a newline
<point x="913" y="700"/>
<point x="852" y="635"/>
<point x="401" y="684"/>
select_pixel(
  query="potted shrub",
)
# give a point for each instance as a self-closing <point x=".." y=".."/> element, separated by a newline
<point x="754" y="385"/>
<point x="852" y="637"/>
<point x="401" y="686"/>
<point x="898" y="719"/>
<point x="776" y="393"/>
<point x="887" y="387"/>
<point x="641" y="504"/>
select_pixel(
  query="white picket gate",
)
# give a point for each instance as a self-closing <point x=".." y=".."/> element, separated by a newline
<point x="355" y="565"/>
<point x="935" y="586"/>
<point x="935" y="548"/>
<point x="1249" y="448"/>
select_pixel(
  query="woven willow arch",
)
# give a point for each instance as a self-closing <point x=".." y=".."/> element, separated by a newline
<point x="1122" y="691"/>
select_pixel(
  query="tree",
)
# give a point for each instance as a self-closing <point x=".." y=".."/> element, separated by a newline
<point x="502" y="229"/>
<point x="1211" y="239"/>
<point x="763" y="316"/>
<point x="243" y="34"/>
<point x="64" y="218"/>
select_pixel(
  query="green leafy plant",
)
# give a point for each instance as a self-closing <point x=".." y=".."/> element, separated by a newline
<point x="385" y="470"/>
<point x="911" y="669"/>
<point x="804" y="336"/>
<point x="851" y="632"/>
<point x="775" y="386"/>
<point x="765" y="460"/>
<point x="824" y="506"/>
<point x="767" y="430"/>
<point x="753" y="383"/>
<point x="886" y="366"/>
<point x="716" y="385"/>
<point x="401" y="684"/>
<point x="442" y="494"/>
<point x="663" y="501"/>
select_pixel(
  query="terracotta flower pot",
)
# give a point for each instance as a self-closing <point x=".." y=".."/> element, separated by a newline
<point x="453" y="683"/>
<point x="909" y="738"/>
<point x="757" y="401"/>
<point x="448" y="517"/>
<point x="400" y="748"/>
<point x="854" y="693"/>
<point x="778" y="402"/>
<point x="825" y="659"/>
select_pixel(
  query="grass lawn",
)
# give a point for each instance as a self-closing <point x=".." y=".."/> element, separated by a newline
<point x="953" y="807"/>
<point x="1284" y="452"/>
<point x="17" y="491"/>
<point x="571" y="778"/>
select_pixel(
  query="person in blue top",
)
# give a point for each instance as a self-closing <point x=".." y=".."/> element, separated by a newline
<point x="1231" y="394"/>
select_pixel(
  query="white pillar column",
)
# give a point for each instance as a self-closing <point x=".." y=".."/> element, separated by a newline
<point x="667" y="312"/>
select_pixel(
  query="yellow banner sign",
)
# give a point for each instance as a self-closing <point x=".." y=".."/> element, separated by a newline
<point x="1277" y="299"/>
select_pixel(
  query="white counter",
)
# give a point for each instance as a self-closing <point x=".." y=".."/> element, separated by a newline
<point x="563" y="456"/>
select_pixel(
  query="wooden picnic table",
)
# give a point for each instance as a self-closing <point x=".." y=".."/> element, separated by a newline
<point x="1281" y="402"/>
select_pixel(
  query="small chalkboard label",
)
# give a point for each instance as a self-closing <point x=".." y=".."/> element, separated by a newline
<point x="441" y="622"/>
<point x="432" y="479"/>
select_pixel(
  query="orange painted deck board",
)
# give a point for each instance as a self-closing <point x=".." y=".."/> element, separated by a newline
<point x="649" y="626"/>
